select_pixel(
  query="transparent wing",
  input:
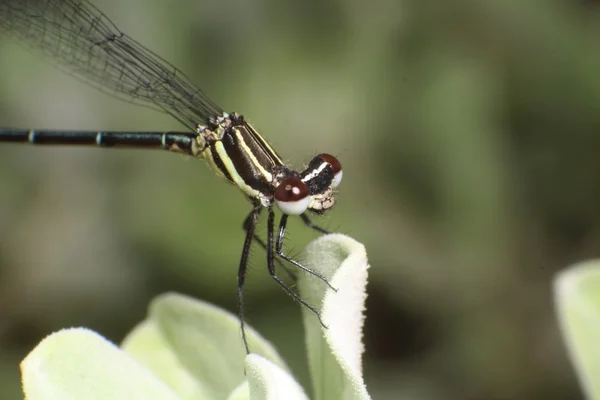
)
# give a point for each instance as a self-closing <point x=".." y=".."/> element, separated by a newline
<point x="85" y="43"/>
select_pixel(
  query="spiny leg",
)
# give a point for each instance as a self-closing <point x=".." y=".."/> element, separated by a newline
<point x="262" y="244"/>
<point x="250" y="228"/>
<point x="309" y="223"/>
<point x="279" y="251"/>
<point x="271" y="267"/>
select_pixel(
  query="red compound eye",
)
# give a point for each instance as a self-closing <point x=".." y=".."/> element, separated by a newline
<point x="336" y="166"/>
<point x="292" y="196"/>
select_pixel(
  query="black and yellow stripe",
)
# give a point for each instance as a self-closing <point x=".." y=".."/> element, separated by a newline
<point x="241" y="155"/>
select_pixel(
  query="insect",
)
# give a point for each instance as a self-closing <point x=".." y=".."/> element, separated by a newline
<point x="84" y="42"/>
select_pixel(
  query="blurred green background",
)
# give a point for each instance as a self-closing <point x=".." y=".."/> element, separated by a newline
<point x="469" y="135"/>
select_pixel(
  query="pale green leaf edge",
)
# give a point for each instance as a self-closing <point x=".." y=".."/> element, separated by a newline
<point x="577" y="299"/>
<point x="268" y="381"/>
<point x="147" y="345"/>
<point x="71" y="364"/>
<point x="242" y="392"/>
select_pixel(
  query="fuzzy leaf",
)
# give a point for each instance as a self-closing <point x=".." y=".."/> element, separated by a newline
<point x="335" y="353"/>
<point x="200" y="339"/>
<point x="267" y="381"/>
<point x="80" y="364"/>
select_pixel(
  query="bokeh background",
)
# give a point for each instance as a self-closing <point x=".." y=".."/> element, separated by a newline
<point x="469" y="132"/>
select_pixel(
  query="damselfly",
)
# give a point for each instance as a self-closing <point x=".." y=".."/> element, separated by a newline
<point x="84" y="42"/>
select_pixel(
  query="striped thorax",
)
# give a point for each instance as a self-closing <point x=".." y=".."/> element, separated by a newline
<point x="236" y="151"/>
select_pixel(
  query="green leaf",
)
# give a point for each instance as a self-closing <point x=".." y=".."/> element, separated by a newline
<point x="334" y="354"/>
<point x="203" y="340"/>
<point x="577" y="296"/>
<point x="267" y="381"/>
<point x="241" y="392"/>
<point x="80" y="364"/>
<point x="147" y="344"/>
